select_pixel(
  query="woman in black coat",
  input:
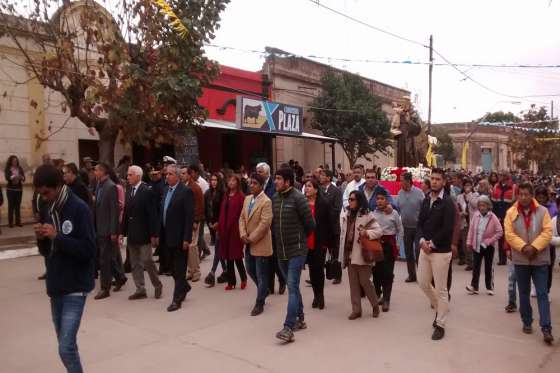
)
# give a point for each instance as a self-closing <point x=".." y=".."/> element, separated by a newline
<point x="15" y="177"/>
<point x="212" y="203"/>
<point x="318" y="242"/>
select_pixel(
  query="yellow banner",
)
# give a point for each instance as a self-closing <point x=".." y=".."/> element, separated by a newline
<point x="464" y="155"/>
<point x="175" y="22"/>
<point x="429" y="155"/>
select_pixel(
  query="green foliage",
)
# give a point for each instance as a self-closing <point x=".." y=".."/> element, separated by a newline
<point x="444" y="146"/>
<point x="351" y="114"/>
<point x="499" y="117"/>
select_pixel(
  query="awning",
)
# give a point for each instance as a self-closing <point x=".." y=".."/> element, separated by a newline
<point x="231" y="126"/>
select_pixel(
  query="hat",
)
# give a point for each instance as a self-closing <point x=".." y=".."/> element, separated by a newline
<point x="87" y="159"/>
<point x="168" y="159"/>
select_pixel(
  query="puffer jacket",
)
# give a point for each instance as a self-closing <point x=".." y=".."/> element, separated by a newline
<point x="292" y="223"/>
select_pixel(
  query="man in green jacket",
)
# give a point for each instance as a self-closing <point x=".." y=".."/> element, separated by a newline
<point x="293" y="222"/>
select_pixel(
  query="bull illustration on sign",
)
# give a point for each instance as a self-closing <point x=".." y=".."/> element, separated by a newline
<point x="251" y="112"/>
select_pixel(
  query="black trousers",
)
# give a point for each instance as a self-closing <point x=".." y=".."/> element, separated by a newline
<point x="109" y="264"/>
<point x="231" y="264"/>
<point x="551" y="266"/>
<point x="501" y="249"/>
<point x="274" y="269"/>
<point x="14" y="206"/>
<point x="334" y="253"/>
<point x="486" y="255"/>
<point x="179" y="258"/>
<point x="316" y="261"/>
<point x="164" y="256"/>
<point x="411" y="261"/>
<point x="383" y="273"/>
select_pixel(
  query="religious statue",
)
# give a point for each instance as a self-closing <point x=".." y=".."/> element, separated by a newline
<point x="405" y="126"/>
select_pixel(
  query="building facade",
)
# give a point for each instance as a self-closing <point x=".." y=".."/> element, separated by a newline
<point x="488" y="148"/>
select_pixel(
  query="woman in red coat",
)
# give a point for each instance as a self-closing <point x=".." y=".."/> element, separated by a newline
<point x="231" y="246"/>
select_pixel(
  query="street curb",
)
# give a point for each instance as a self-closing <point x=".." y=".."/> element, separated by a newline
<point x="19" y="253"/>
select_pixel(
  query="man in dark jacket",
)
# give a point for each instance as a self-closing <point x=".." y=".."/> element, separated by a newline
<point x="69" y="230"/>
<point x="263" y="169"/>
<point x="293" y="222"/>
<point x="75" y="183"/>
<point x="141" y="227"/>
<point x="107" y="228"/>
<point x="177" y="217"/>
<point x="436" y="223"/>
<point x="333" y="196"/>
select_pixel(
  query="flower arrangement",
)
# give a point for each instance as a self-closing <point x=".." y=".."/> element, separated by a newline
<point x="393" y="173"/>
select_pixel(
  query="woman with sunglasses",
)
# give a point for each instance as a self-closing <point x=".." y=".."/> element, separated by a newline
<point x="357" y="221"/>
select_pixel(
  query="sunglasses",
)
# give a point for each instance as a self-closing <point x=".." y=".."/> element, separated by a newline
<point x="351" y="199"/>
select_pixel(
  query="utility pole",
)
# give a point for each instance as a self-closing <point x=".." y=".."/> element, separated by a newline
<point x="431" y="68"/>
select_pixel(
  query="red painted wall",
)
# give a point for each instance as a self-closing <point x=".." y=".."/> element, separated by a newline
<point x="230" y="83"/>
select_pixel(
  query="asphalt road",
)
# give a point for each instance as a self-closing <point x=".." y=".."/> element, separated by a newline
<point x="213" y="332"/>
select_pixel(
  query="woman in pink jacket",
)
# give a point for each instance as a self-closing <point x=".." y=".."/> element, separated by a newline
<point x="484" y="232"/>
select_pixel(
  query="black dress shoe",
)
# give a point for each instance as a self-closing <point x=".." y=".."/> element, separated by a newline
<point x="257" y="310"/>
<point x="173" y="307"/>
<point x="438" y="334"/>
<point x="547" y="337"/>
<point x="102" y="294"/>
<point x="410" y="279"/>
<point x="282" y="289"/>
<point x="138" y="295"/>
<point x="222" y="278"/>
<point x="314" y="304"/>
<point x="42" y="277"/>
<point x="120" y="284"/>
<point x="321" y="303"/>
<point x="468" y="268"/>
<point x="337" y="281"/>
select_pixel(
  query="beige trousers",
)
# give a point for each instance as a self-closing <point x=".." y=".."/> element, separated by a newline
<point x="436" y="266"/>
<point x="193" y="261"/>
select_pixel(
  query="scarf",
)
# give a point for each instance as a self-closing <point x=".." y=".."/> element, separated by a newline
<point x="56" y="207"/>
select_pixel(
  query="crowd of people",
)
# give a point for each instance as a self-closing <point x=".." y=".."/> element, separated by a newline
<point x="268" y="225"/>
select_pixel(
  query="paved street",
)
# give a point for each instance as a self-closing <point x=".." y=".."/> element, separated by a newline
<point x="214" y="333"/>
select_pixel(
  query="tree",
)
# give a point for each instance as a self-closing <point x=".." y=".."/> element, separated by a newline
<point x="500" y="117"/>
<point x="346" y="110"/>
<point x="139" y="72"/>
<point x="530" y="138"/>
<point x="444" y="146"/>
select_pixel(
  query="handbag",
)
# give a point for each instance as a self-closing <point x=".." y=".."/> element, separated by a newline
<point x="372" y="250"/>
<point x="333" y="268"/>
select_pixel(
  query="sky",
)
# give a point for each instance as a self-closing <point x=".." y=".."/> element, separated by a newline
<point x="493" y="32"/>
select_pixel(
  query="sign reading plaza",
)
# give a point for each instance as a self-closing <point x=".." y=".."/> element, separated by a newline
<point x="268" y="116"/>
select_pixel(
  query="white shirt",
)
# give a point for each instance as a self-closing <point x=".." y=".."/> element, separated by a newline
<point x="352" y="186"/>
<point x="135" y="188"/>
<point x="203" y="184"/>
<point x="482" y="224"/>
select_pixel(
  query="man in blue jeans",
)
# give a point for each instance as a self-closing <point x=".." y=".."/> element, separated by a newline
<point x="254" y="230"/>
<point x="293" y="222"/>
<point x="529" y="232"/>
<point x="69" y="230"/>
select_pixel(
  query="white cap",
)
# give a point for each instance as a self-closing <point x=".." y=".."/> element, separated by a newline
<point x="168" y="159"/>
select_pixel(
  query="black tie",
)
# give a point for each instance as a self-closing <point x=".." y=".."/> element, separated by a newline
<point x="133" y="191"/>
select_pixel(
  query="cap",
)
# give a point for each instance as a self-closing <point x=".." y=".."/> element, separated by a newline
<point x="168" y="159"/>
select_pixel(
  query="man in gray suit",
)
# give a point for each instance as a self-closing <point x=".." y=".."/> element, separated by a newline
<point x="107" y="231"/>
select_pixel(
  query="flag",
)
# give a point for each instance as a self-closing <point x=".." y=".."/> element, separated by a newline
<point x="464" y="155"/>
<point x="429" y="155"/>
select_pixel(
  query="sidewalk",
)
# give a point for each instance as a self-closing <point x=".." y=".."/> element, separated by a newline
<point x="17" y="242"/>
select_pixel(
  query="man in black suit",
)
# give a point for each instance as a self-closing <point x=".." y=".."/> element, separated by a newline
<point x="107" y="228"/>
<point x="141" y="227"/>
<point x="177" y="216"/>
<point x="333" y="196"/>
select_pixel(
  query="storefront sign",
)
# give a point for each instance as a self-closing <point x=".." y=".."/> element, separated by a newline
<point x="260" y="115"/>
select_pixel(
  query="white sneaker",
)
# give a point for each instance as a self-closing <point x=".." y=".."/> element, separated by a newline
<point x="490" y="292"/>
<point x="471" y="290"/>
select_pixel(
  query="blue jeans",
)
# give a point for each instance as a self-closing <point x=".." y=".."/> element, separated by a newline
<point x="217" y="257"/>
<point x="512" y="285"/>
<point x="291" y="269"/>
<point x="258" y="268"/>
<point x="67" y="313"/>
<point x="539" y="274"/>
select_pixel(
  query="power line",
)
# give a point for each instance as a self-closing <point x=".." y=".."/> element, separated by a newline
<point x="468" y="77"/>
<point x="386" y="61"/>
